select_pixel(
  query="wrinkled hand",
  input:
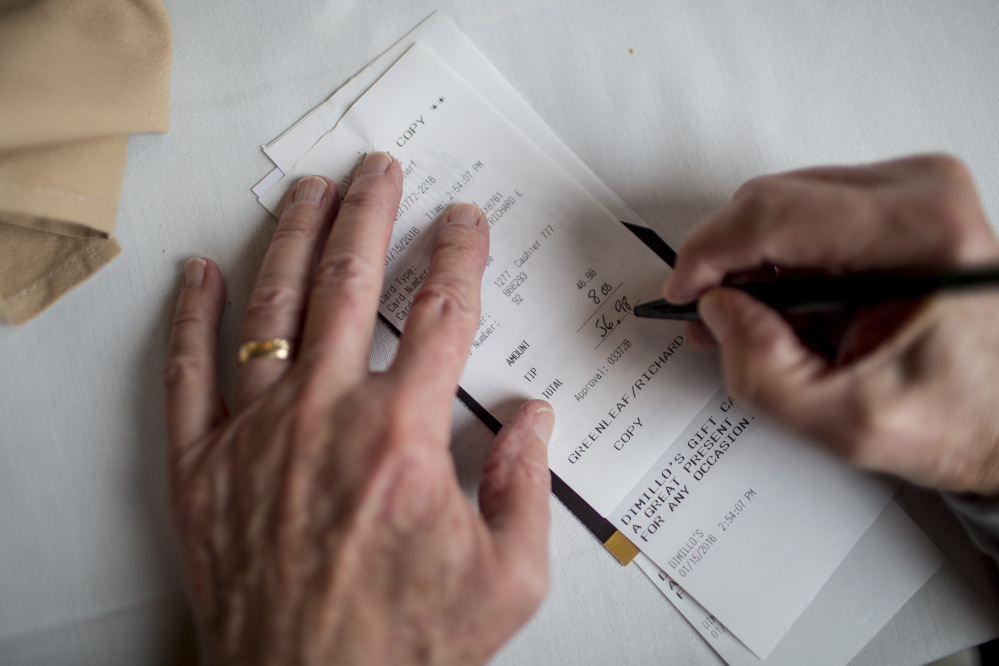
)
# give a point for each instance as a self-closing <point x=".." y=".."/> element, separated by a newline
<point x="321" y="521"/>
<point x="911" y="388"/>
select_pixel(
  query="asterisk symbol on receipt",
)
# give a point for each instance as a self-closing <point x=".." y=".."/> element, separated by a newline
<point x="440" y="101"/>
<point x="434" y="107"/>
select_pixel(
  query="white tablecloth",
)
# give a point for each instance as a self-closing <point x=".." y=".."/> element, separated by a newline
<point x="714" y="93"/>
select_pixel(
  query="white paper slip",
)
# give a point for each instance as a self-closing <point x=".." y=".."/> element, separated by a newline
<point x="268" y="182"/>
<point x="286" y="150"/>
<point x="889" y="564"/>
<point x="556" y="322"/>
<point x="731" y="478"/>
<point x="454" y="47"/>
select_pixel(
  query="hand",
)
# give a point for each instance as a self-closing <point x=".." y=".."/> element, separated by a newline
<point x="321" y="521"/>
<point x="910" y="388"/>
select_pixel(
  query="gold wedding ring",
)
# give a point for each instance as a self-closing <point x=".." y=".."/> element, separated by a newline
<point x="278" y="348"/>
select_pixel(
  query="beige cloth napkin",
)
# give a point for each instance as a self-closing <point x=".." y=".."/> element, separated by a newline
<point x="76" y="78"/>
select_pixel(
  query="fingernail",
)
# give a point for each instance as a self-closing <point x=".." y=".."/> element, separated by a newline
<point x="543" y="422"/>
<point x="715" y="314"/>
<point x="310" y="190"/>
<point x="194" y="272"/>
<point x="374" y="163"/>
<point x="464" y="214"/>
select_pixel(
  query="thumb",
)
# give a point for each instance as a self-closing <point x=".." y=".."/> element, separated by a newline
<point x="513" y="496"/>
<point x="766" y="365"/>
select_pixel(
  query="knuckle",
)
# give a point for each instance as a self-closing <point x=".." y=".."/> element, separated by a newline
<point x="757" y="202"/>
<point x="945" y="165"/>
<point x="694" y="247"/>
<point x="414" y="497"/>
<point x="959" y="227"/>
<point x="181" y="370"/>
<point x="365" y="194"/>
<point x="535" y="585"/>
<point x="755" y="191"/>
<point x="448" y="301"/>
<point x="268" y="304"/>
<point x="298" y="224"/>
<point x="538" y="475"/>
<point x="504" y="474"/>
<point x="188" y="318"/>
<point x="528" y="584"/>
<point x="748" y="188"/>
<point x="701" y="250"/>
<point x="348" y="271"/>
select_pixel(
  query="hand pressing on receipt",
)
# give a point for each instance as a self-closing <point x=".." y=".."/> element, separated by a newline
<point x="907" y="388"/>
<point x="319" y="519"/>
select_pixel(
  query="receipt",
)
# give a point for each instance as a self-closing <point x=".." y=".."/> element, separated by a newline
<point x="736" y="498"/>
<point x="561" y="283"/>
<point x="644" y="434"/>
<point x="889" y="564"/>
<point x="455" y="48"/>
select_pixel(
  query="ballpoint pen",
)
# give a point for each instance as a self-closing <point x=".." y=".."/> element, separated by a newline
<point x="826" y="294"/>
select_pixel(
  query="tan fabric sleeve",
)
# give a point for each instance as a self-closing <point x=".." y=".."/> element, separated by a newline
<point x="74" y="69"/>
<point x="51" y="264"/>
<point x="69" y="188"/>
<point x="76" y="78"/>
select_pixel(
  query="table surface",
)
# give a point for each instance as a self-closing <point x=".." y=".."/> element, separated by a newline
<point x="672" y="104"/>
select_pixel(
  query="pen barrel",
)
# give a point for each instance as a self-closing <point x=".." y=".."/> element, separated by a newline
<point x="795" y="295"/>
<point x="661" y="309"/>
<point x="824" y="294"/>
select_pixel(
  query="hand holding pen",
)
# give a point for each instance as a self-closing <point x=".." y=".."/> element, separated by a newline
<point x="831" y="294"/>
<point x="911" y="385"/>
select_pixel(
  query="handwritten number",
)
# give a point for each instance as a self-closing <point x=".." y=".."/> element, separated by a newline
<point x="604" y="326"/>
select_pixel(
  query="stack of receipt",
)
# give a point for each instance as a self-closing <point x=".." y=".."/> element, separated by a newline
<point x="776" y="552"/>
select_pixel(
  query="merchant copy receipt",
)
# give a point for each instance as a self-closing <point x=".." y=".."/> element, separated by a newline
<point x="748" y="519"/>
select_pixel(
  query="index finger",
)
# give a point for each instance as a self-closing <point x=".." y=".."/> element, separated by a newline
<point x="774" y="219"/>
<point x="790" y="222"/>
<point x="445" y="312"/>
